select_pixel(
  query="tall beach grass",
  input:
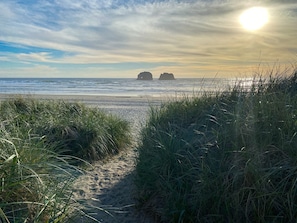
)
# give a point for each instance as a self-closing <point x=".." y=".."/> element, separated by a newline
<point x="72" y="128"/>
<point x="228" y="157"/>
<point x="35" y="182"/>
<point x="41" y="143"/>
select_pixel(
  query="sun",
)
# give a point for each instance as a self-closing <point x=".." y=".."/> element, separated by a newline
<point x="254" y="18"/>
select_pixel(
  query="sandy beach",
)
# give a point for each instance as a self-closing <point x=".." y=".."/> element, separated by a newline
<point x="107" y="191"/>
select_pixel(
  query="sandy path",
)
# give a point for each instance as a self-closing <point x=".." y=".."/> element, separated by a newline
<point x="107" y="192"/>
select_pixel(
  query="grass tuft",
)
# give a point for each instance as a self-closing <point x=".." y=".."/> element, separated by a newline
<point x="230" y="157"/>
<point x="72" y="128"/>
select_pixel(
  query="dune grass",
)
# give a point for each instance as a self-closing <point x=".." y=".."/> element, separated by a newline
<point x="72" y="128"/>
<point x="229" y="157"/>
<point x="40" y="141"/>
<point x="35" y="182"/>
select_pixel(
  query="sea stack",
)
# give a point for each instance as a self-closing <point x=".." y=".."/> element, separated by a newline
<point x="145" y="75"/>
<point x="167" y="76"/>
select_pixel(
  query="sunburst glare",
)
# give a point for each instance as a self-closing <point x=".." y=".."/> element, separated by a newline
<point x="254" y="18"/>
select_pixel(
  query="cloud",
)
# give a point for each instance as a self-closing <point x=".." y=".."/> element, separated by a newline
<point x="93" y="24"/>
<point x="39" y="57"/>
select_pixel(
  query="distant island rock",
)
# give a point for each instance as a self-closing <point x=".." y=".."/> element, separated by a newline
<point x="145" y="76"/>
<point x="167" y="76"/>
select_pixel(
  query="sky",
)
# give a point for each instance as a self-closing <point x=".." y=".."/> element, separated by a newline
<point x="121" y="38"/>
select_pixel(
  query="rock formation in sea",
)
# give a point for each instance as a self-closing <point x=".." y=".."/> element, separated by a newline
<point x="145" y="75"/>
<point x="167" y="76"/>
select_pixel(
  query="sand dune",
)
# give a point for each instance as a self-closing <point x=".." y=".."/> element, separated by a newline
<point x="106" y="192"/>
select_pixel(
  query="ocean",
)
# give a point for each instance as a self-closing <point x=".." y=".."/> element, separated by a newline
<point x="112" y="86"/>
